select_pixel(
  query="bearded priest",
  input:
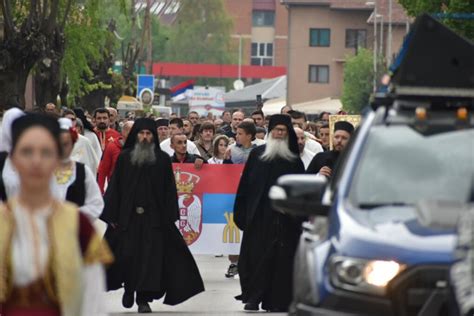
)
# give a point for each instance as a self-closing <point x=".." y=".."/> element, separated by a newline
<point x="141" y="208"/>
<point x="270" y="238"/>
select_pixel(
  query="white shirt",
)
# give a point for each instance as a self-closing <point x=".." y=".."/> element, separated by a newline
<point x="258" y="141"/>
<point x="84" y="152"/>
<point x="166" y="147"/>
<point x="93" y="203"/>
<point x="215" y="161"/>
<point x="92" y="137"/>
<point x="31" y="231"/>
<point x="313" y="146"/>
<point x="307" y="156"/>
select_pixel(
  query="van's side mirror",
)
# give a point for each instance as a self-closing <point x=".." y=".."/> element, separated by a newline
<point x="300" y="195"/>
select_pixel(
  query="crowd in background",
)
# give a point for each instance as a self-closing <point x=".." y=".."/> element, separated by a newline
<point x="193" y="138"/>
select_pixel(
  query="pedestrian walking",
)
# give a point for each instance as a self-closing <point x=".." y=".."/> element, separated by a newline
<point x="104" y="132"/>
<point x="324" y="163"/>
<point x="204" y="143"/>
<point x="110" y="156"/>
<point x="74" y="181"/>
<point x="89" y="132"/>
<point x="9" y="181"/>
<point x="305" y="154"/>
<point x="52" y="259"/>
<point x="219" y="149"/>
<point x="270" y="238"/>
<point x="141" y="208"/>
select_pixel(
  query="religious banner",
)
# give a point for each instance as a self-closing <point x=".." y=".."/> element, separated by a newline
<point x="353" y="119"/>
<point x="206" y="201"/>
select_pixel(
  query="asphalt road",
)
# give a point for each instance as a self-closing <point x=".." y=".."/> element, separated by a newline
<point x="218" y="299"/>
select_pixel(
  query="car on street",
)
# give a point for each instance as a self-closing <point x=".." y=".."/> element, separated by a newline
<point x="381" y="235"/>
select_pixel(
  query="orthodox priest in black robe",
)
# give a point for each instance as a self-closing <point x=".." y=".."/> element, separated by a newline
<point x="325" y="163"/>
<point x="151" y="258"/>
<point x="270" y="238"/>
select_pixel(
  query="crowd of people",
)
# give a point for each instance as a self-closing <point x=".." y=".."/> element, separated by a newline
<point x="120" y="170"/>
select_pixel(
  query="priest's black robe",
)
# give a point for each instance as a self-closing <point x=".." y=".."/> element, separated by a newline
<point x="150" y="254"/>
<point x="270" y="238"/>
<point x="323" y="159"/>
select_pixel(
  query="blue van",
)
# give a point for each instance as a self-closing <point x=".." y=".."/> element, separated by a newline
<point x="381" y="235"/>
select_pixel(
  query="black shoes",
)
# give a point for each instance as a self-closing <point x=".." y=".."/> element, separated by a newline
<point x="251" y="307"/>
<point x="128" y="299"/>
<point x="232" y="271"/>
<point x="144" y="308"/>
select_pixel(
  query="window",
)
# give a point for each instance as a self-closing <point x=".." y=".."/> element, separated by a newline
<point x="318" y="74"/>
<point x="262" y="54"/>
<point x="356" y="38"/>
<point x="319" y="37"/>
<point x="263" y="18"/>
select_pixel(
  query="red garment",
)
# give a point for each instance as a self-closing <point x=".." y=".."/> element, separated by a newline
<point x="108" y="137"/>
<point x="107" y="164"/>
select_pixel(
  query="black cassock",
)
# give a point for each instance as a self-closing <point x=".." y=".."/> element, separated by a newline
<point x="323" y="159"/>
<point x="150" y="254"/>
<point x="270" y="238"/>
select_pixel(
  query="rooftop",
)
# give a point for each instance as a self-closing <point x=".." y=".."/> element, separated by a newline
<point x="398" y="13"/>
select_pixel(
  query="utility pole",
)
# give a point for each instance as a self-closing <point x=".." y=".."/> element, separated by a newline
<point x="389" y="44"/>
<point x="149" y="46"/>
<point x="240" y="56"/>
<point x="375" y="47"/>
<point x="381" y="35"/>
<point x="374" y="15"/>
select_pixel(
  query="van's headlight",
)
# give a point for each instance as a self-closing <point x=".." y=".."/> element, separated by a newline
<point x="359" y="275"/>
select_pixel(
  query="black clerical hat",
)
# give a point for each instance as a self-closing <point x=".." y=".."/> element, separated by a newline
<point x="283" y="119"/>
<point x="344" y="126"/>
<point x="139" y="125"/>
<point x="162" y="122"/>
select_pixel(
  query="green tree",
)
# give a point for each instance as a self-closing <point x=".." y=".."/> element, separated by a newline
<point x="202" y="35"/>
<point x="358" y="81"/>
<point x="463" y="27"/>
<point x="56" y="40"/>
<point x="33" y="32"/>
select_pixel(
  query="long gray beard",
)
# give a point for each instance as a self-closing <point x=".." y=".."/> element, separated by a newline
<point x="277" y="148"/>
<point x="143" y="153"/>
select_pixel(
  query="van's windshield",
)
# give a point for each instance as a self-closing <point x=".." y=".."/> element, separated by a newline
<point x="402" y="166"/>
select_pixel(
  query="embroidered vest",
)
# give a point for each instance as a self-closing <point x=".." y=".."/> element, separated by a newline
<point x="76" y="193"/>
<point x="3" y="192"/>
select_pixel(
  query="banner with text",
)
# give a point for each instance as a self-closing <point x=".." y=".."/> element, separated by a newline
<point x="206" y="201"/>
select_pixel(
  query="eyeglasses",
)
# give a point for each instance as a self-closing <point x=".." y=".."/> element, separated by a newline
<point x="280" y="130"/>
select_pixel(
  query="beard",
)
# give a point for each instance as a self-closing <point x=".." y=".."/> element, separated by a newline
<point x="102" y="126"/>
<point x="277" y="148"/>
<point x="143" y="153"/>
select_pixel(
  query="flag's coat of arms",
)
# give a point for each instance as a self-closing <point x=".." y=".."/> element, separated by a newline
<point x="190" y="206"/>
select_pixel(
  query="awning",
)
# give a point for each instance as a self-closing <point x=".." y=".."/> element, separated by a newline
<point x="318" y="106"/>
<point x="128" y="103"/>
<point x="273" y="106"/>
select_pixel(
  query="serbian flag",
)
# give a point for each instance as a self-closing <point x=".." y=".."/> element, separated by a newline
<point x="178" y="91"/>
<point x="206" y="201"/>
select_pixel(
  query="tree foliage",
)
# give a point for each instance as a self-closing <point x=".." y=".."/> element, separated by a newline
<point x="358" y="79"/>
<point x="463" y="27"/>
<point x="202" y="34"/>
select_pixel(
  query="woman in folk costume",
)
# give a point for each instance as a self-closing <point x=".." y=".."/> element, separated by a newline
<point x="51" y="259"/>
<point x="9" y="181"/>
<point x="74" y="181"/>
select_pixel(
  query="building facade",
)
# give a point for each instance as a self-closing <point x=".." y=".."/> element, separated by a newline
<point x="262" y="28"/>
<point x="324" y="33"/>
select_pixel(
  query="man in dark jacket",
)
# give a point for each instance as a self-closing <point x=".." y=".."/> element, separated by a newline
<point x="325" y="163"/>
<point x="141" y="207"/>
<point x="270" y="238"/>
<point x="179" y="143"/>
